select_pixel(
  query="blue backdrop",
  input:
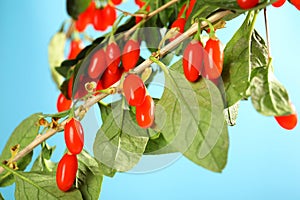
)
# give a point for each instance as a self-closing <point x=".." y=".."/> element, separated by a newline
<point x="264" y="160"/>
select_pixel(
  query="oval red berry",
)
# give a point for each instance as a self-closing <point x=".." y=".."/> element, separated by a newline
<point x="131" y="54"/>
<point x="192" y="60"/>
<point x="113" y="56"/>
<point x="145" y="113"/>
<point x="213" y="60"/>
<point x="74" y="136"/>
<point x="134" y="90"/>
<point x="288" y="122"/>
<point x="63" y="103"/>
<point x="247" y="4"/>
<point x="97" y="64"/>
<point x="66" y="172"/>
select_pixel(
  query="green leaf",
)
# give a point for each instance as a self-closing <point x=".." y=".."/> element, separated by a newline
<point x="237" y="65"/>
<point x="120" y="143"/>
<point x="43" y="162"/>
<point x="107" y="171"/>
<point x="152" y="37"/>
<point x="259" y="51"/>
<point x="231" y="114"/>
<point x="31" y="185"/>
<point x="59" y="115"/>
<point x="24" y="134"/>
<point x="56" y="55"/>
<point x="1" y="197"/>
<point x="75" y="7"/>
<point x="159" y="146"/>
<point x="89" y="176"/>
<point x="268" y="95"/>
<point x="194" y="123"/>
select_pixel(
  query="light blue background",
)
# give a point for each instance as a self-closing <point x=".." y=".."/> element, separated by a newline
<point x="264" y="160"/>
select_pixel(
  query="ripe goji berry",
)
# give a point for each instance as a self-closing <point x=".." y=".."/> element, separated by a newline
<point x="130" y="54"/>
<point x="134" y="90"/>
<point x="66" y="172"/>
<point x="74" y="136"/>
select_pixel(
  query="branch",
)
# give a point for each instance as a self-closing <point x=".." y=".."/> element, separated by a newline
<point x="151" y="14"/>
<point x="139" y="69"/>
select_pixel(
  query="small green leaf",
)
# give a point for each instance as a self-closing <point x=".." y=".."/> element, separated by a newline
<point x="1" y="197"/>
<point x="43" y="162"/>
<point x="152" y="37"/>
<point x="56" y="55"/>
<point x="194" y="123"/>
<point x="231" y="114"/>
<point x="75" y="7"/>
<point x="24" y="134"/>
<point x="237" y="65"/>
<point x="89" y="176"/>
<point x="268" y="95"/>
<point x="120" y="142"/>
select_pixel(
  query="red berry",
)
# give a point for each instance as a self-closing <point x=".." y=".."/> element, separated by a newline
<point x="179" y="24"/>
<point x="288" y="122"/>
<point x="278" y="3"/>
<point x="76" y="47"/>
<point x="138" y="19"/>
<point x="99" y="20"/>
<point x="139" y="3"/>
<point x="85" y="18"/>
<point x="110" y="14"/>
<point x="74" y="136"/>
<point x="190" y="8"/>
<point x="113" y="56"/>
<point x="63" y="103"/>
<point x="109" y="78"/>
<point x="97" y="64"/>
<point x="145" y="113"/>
<point x="134" y="90"/>
<point x="247" y="4"/>
<point x="193" y="60"/>
<point x="131" y="54"/>
<point x="213" y="60"/>
<point x="66" y="172"/>
<point x="296" y="3"/>
<point x="116" y="2"/>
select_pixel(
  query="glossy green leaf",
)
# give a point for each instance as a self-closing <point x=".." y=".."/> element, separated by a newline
<point x="24" y="134"/>
<point x="237" y="65"/>
<point x="56" y="55"/>
<point x="89" y="176"/>
<point x="43" y="162"/>
<point x="120" y="143"/>
<point x="268" y="95"/>
<point x="75" y="7"/>
<point x="194" y="123"/>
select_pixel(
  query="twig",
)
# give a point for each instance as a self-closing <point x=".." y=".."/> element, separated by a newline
<point x="131" y="14"/>
<point x="139" y="69"/>
<point x="267" y="32"/>
<point x="151" y="14"/>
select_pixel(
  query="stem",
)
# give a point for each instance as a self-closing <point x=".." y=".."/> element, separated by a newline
<point x="139" y="69"/>
<point x="267" y="32"/>
<point x="151" y="14"/>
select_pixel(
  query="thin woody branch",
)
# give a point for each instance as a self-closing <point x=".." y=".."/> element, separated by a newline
<point x="139" y="69"/>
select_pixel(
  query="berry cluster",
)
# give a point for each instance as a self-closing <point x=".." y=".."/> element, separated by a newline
<point x="248" y="4"/>
<point x="135" y="94"/>
<point x="207" y="62"/>
<point x="183" y="15"/>
<point x="100" y="17"/>
<point x="68" y="165"/>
